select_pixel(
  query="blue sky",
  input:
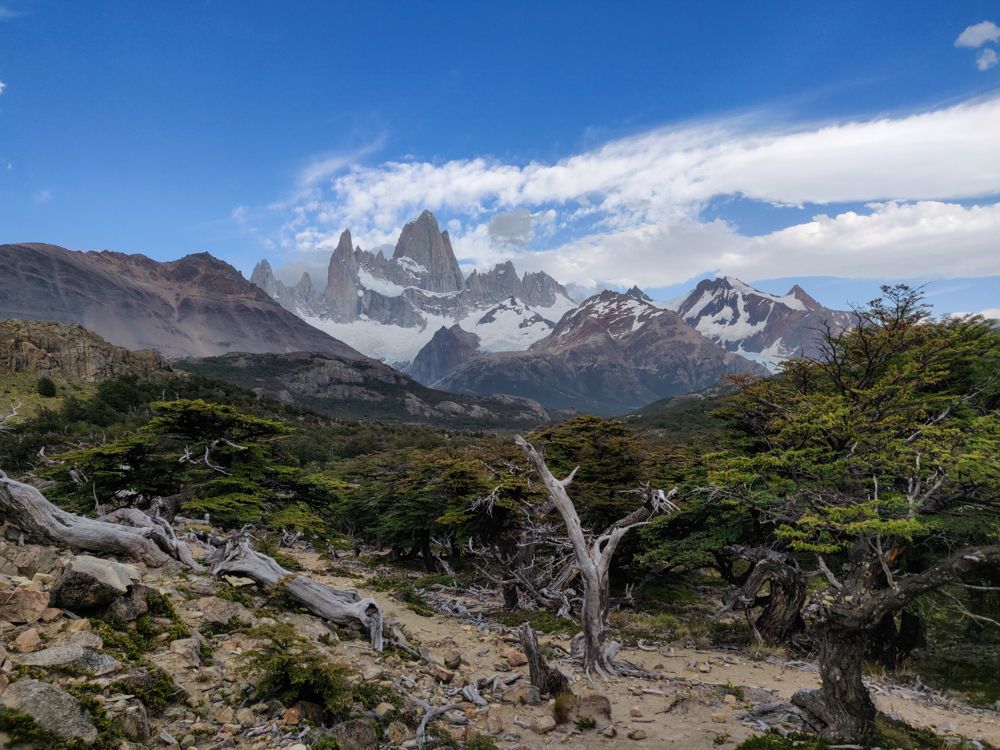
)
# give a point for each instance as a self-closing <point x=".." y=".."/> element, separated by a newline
<point x="699" y="137"/>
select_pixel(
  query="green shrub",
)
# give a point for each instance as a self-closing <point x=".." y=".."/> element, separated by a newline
<point x="585" y="722"/>
<point x="563" y="705"/>
<point x="542" y="622"/>
<point x="292" y="669"/>
<point x="46" y="388"/>
<point x="481" y="742"/>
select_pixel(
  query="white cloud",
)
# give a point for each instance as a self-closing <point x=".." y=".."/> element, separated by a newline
<point x="992" y="314"/>
<point x="986" y="59"/>
<point x="628" y="211"/>
<point x="6" y="14"/>
<point x="978" y="35"/>
<point x="43" y="196"/>
<point x="2" y="86"/>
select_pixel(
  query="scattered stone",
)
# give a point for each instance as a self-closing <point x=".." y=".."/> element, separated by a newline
<point x="32" y="559"/>
<point x="87" y="638"/>
<point x="543" y="725"/>
<point x="397" y="732"/>
<point x="610" y="731"/>
<point x="299" y="746"/>
<point x="21" y="604"/>
<point x="637" y="734"/>
<point x="719" y="717"/>
<point x="494" y="724"/>
<point x="501" y="665"/>
<point x="452" y="659"/>
<point x="28" y="641"/>
<point x="187" y="742"/>
<point x="4" y="682"/>
<point x="515" y="658"/>
<point x="356" y="734"/>
<point x="135" y="722"/>
<point x="442" y="675"/>
<point x="189" y="649"/>
<point x="92" y="582"/>
<point x="218" y="611"/>
<point x="245" y="717"/>
<point x="730" y="699"/>
<point x="75" y="659"/>
<point x="51" y="707"/>
<point x="371" y="674"/>
<point x="634" y="711"/>
<point x="77" y="626"/>
<point x="522" y="693"/>
<point x="225" y="715"/>
<point x="50" y="614"/>
<point x="384" y="709"/>
<point x="704" y="668"/>
<point x="311" y="712"/>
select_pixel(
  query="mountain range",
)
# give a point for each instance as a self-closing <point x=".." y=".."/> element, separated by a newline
<point x="446" y="333"/>
<point x="390" y="307"/>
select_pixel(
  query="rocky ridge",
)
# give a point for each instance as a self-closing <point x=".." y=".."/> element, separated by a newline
<point x="613" y="354"/>
<point x="67" y="350"/>
<point x="195" y="306"/>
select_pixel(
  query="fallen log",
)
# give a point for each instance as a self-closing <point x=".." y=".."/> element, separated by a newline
<point x="26" y="507"/>
<point x="341" y="607"/>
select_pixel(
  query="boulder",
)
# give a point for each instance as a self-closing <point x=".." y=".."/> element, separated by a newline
<point x="189" y="649"/>
<point x="129" y="607"/>
<point x="523" y="693"/>
<point x="306" y="711"/>
<point x="452" y="659"/>
<point x="543" y="725"/>
<point x="28" y="641"/>
<point x="75" y="659"/>
<point x="31" y="559"/>
<point x="216" y="611"/>
<point x="397" y="732"/>
<point x="356" y="734"/>
<point x="22" y="605"/>
<point x="384" y="709"/>
<point x="134" y="721"/>
<point x="92" y="582"/>
<point x="515" y="658"/>
<point x="51" y="707"/>
<point x="442" y="675"/>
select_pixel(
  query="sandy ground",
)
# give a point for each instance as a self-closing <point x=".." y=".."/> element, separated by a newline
<point x="698" y="720"/>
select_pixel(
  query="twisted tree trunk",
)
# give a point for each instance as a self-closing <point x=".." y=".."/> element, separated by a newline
<point x="341" y="607"/>
<point x="594" y="561"/>
<point x="781" y="609"/>
<point x="548" y="679"/>
<point x="144" y="540"/>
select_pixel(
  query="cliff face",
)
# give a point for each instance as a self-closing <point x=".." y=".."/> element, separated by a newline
<point x="194" y="306"/>
<point x="67" y="350"/>
<point x="449" y="348"/>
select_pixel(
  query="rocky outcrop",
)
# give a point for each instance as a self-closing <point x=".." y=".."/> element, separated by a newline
<point x="427" y="251"/>
<point x="613" y="354"/>
<point x="89" y="582"/>
<point x="66" y="350"/>
<point x="194" y="306"/>
<point x="449" y="348"/>
<point x="363" y="389"/>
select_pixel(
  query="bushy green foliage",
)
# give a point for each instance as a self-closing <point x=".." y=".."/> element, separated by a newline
<point x="291" y="669"/>
<point x="46" y="388"/>
<point x="585" y="722"/>
<point x="482" y="742"/>
<point x="542" y="622"/>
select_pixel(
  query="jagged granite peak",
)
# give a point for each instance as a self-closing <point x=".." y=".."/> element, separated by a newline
<point x="756" y="324"/>
<point x="449" y="348"/>
<point x="419" y="288"/>
<point x="197" y="305"/>
<point x="69" y="350"/>
<point x="637" y="293"/>
<point x="342" y="287"/>
<point x="612" y="354"/>
<point x="422" y="243"/>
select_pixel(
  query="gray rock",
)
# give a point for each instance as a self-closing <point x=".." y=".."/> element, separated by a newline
<point x="75" y="659"/>
<point x="21" y="604"/>
<point x="92" y="582"/>
<point x="51" y="707"/>
<point x="134" y="721"/>
<point x="357" y="734"/>
<point x="132" y="605"/>
<point x="218" y="611"/>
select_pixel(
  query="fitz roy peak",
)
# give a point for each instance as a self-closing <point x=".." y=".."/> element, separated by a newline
<point x="391" y="307"/>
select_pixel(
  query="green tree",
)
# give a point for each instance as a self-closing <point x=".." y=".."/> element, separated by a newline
<point x="46" y="388"/>
<point x="871" y="455"/>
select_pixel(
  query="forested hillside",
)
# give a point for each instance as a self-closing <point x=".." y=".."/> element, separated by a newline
<point x="842" y="513"/>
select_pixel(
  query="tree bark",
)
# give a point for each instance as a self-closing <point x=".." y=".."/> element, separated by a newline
<point x="548" y="679"/>
<point x="781" y="613"/>
<point x="27" y="508"/>
<point x="890" y="646"/>
<point x="843" y="704"/>
<point x="341" y="607"/>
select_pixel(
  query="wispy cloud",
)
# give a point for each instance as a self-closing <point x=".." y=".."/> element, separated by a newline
<point x="2" y="86"/>
<point x="43" y="196"/>
<point x="978" y="35"/>
<point x="986" y="59"/>
<point x="630" y="210"/>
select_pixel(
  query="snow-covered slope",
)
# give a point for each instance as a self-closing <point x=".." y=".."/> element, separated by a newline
<point x="390" y="308"/>
<point x="760" y="326"/>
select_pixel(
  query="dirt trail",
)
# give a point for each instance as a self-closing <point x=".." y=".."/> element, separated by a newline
<point x="697" y="720"/>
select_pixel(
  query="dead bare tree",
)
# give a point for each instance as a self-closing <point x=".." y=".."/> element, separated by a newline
<point x="238" y="557"/>
<point x="143" y="539"/>
<point x="593" y="559"/>
<point x="548" y="679"/>
<point x="13" y="413"/>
